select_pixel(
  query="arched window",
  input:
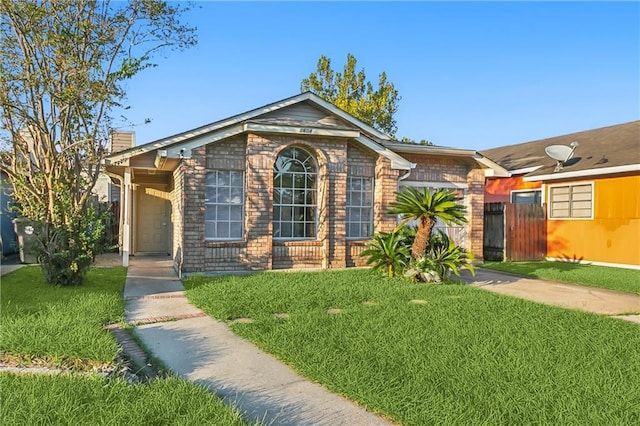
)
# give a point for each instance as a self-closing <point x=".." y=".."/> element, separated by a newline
<point x="294" y="194"/>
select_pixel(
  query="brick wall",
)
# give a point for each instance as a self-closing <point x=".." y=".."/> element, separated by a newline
<point x="255" y="154"/>
<point x="450" y="170"/>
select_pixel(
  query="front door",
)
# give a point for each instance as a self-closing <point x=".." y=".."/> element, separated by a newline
<point x="152" y="222"/>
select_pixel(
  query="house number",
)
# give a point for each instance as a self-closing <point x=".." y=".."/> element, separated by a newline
<point x="306" y="130"/>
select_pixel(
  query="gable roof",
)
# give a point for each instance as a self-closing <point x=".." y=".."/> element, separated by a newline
<point x="261" y="119"/>
<point x="606" y="150"/>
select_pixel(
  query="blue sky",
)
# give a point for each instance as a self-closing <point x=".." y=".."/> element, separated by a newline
<point x="471" y="74"/>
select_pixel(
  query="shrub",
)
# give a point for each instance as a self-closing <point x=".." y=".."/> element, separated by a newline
<point x="442" y="257"/>
<point x="388" y="252"/>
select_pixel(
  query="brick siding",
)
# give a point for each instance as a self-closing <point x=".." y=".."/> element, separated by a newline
<point x="255" y="154"/>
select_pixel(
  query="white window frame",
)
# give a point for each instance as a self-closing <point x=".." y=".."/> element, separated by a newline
<point x="570" y="217"/>
<point x="292" y="204"/>
<point x="514" y="191"/>
<point x="229" y="203"/>
<point x="361" y="207"/>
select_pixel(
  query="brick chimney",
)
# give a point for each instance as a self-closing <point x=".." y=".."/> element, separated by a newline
<point x="119" y="141"/>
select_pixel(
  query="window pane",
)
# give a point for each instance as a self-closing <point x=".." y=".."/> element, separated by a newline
<point x="223" y="178"/>
<point x="209" y="212"/>
<point x="222" y="230"/>
<point x="298" y="230"/>
<point x="236" y="179"/>
<point x="210" y="179"/>
<point x="210" y="194"/>
<point x="236" y="196"/>
<point x="235" y="213"/>
<point x="356" y="199"/>
<point x="223" y="213"/>
<point x="222" y="196"/>
<point x="236" y="230"/>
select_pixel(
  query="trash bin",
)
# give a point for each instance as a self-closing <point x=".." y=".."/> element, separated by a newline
<point x="25" y="230"/>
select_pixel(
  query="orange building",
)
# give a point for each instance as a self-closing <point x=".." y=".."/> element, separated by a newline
<point x="592" y="199"/>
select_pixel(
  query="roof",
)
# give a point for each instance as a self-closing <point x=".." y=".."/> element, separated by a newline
<point x="606" y="150"/>
<point x="181" y="144"/>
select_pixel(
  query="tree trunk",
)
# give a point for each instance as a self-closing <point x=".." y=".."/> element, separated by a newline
<point x="421" y="242"/>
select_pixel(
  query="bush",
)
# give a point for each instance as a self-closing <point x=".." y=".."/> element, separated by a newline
<point x="65" y="252"/>
<point x="442" y="257"/>
<point x="388" y="252"/>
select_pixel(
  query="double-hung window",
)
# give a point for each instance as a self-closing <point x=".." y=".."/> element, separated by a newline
<point x="359" y="207"/>
<point x="571" y="201"/>
<point x="224" y="202"/>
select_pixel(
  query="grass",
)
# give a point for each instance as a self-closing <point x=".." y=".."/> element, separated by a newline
<point x="64" y="326"/>
<point x="73" y="400"/>
<point x="626" y="280"/>
<point x="61" y="323"/>
<point x="465" y="356"/>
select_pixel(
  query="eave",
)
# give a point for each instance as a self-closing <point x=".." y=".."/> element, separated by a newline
<point x="583" y="173"/>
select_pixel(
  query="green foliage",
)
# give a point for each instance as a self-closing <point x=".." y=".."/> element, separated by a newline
<point x="61" y="323"/>
<point x="422" y="141"/>
<point x="443" y="257"/>
<point x="66" y="251"/>
<point x="388" y="253"/>
<point x="426" y="206"/>
<point x="351" y="92"/>
<point x="62" y="69"/>
<point x="465" y="356"/>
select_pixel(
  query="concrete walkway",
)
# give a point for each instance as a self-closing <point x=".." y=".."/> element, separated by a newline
<point x="205" y="351"/>
<point x="591" y="299"/>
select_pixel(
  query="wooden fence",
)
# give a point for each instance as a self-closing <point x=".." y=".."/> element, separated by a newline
<point x="514" y="232"/>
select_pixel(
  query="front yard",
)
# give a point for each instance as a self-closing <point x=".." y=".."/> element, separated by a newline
<point x="626" y="280"/>
<point x="436" y="354"/>
<point x="61" y="327"/>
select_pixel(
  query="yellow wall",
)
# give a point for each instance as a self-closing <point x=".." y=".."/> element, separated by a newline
<point x="613" y="235"/>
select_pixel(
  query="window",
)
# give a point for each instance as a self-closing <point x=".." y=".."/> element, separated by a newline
<point x="294" y="195"/>
<point x="571" y="201"/>
<point x="533" y="196"/>
<point x="359" y="207"/>
<point x="224" y="202"/>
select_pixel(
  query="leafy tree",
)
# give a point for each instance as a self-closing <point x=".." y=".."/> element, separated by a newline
<point x="350" y="91"/>
<point x="62" y="68"/>
<point x="426" y="207"/>
<point x="422" y="141"/>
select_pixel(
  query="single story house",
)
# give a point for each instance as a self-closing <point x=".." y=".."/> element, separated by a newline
<point x="297" y="183"/>
<point x="592" y="199"/>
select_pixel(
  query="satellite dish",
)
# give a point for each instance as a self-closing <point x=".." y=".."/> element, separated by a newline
<point x="561" y="153"/>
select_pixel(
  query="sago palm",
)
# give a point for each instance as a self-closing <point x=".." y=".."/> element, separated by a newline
<point x="426" y="207"/>
<point x="387" y="253"/>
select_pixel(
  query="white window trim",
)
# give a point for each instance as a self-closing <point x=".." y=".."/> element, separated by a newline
<point x="371" y="212"/>
<point x="593" y="197"/>
<point x="317" y="205"/>
<point x="525" y="190"/>
<point x="244" y="198"/>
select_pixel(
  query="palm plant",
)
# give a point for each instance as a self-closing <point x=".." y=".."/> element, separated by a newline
<point x="388" y="253"/>
<point x="426" y="207"/>
<point x="442" y="257"/>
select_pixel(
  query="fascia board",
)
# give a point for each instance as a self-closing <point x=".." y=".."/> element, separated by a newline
<point x="584" y="173"/>
<point x="397" y="162"/>
<point x="297" y="130"/>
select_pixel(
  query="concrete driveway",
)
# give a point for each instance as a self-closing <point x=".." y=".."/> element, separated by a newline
<point x="591" y="299"/>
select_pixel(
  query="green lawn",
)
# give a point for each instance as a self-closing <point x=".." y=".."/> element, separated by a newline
<point x="464" y="356"/>
<point x="64" y="326"/>
<point x="626" y="280"/>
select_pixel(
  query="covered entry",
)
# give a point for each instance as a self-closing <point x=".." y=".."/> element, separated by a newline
<point x="152" y="228"/>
